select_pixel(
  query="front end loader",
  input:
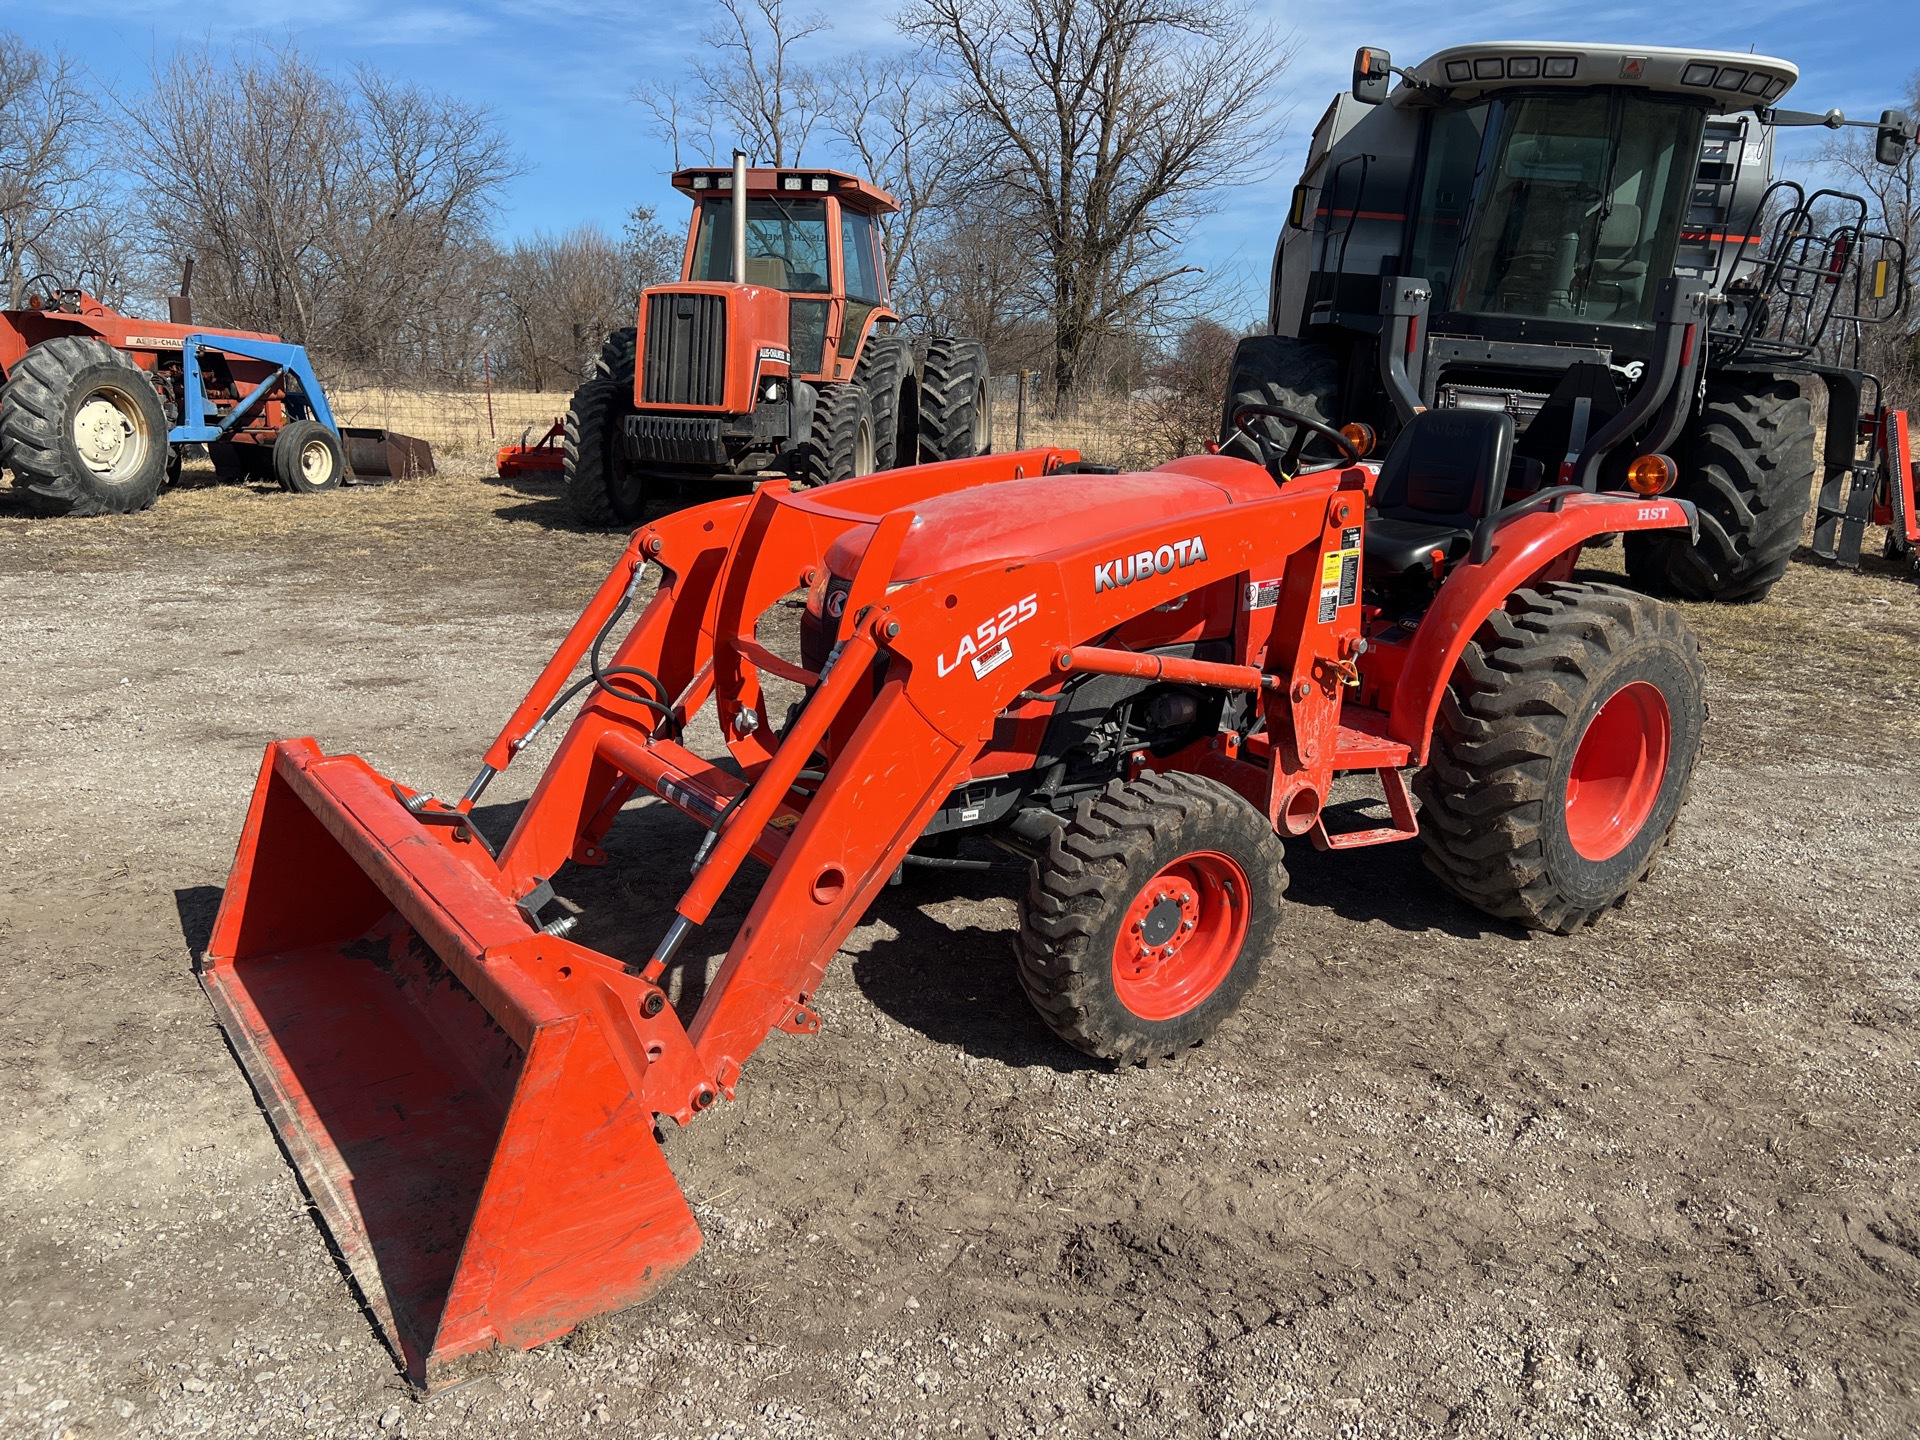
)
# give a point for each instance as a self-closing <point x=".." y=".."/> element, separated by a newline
<point x="1140" y="683"/>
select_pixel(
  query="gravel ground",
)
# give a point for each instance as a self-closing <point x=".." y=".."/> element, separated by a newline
<point x="1438" y="1177"/>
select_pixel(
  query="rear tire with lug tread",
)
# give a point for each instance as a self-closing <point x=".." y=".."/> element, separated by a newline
<point x="956" y="420"/>
<point x="603" y="489"/>
<point x="83" y="429"/>
<point x="308" y="458"/>
<point x="1562" y="754"/>
<point x="1145" y="924"/>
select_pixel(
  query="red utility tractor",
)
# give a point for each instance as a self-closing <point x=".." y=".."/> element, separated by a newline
<point x="1141" y="684"/>
<point x="89" y="399"/>
<point x="777" y="352"/>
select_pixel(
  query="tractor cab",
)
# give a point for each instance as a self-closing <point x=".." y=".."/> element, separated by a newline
<point x="813" y="236"/>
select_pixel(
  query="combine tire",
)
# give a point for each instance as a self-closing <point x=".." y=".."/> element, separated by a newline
<point x="842" y="444"/>
<point x="82" y="429"/>
<point x="1279" y="370"/>
<point x="1562" y="754"/>
<point x="956" y="422"/>
<point x="886" y="374"/>
<point x="602" y="487"/>
<point x="308" y="458"/>
<point x="1146" y="922"/>
<point x="1747" y="462"/>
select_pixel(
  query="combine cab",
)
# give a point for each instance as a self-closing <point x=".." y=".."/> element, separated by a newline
<point x="1507" y="228"/>
<point x="777" y="353"/>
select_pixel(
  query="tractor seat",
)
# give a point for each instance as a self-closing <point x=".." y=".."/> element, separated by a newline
<point x="1433" y="488"/>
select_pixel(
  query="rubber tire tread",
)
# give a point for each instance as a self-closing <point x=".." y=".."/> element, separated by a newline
<point x="590" y="448"/>
<point x="885" y="365"/>
<point x="827" y="454"/>
<point x="1747" y="464"/>
<point x="950" y="386"/>
<point x="1280" y="370"/>
<point x="286" y="457"/>
<point x="1094" y="867"/>
<point x="1509" y="724"/>
<point x="30" y="425"/>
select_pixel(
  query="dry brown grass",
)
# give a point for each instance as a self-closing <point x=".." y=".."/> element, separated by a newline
<point x="455" y="421"/>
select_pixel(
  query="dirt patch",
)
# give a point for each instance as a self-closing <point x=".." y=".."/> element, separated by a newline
<point x="1437" y="1178"/>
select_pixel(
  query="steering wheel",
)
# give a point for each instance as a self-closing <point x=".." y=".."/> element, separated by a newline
<point x="1284" y="463"/>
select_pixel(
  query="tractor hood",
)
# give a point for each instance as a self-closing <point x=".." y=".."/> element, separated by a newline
<point x="1019" y="519"/>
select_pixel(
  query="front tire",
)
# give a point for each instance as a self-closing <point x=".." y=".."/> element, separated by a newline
<point x="308" y="458"/>
<point x="1145" y="924"/>
<point x="1747" y="464"/>
<point x="1280" y="370"/>
<point x="1562" y="755"/>
<point x="83" y="430"/>
<point x="956" y="420"/>
<point x="843" y="443"/>
<point x="604" y="490"/>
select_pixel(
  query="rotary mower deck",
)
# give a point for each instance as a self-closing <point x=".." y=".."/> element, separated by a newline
<point x="1137" y="682"/>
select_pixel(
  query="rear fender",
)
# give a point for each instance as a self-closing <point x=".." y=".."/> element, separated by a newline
<point x="1526" y="550"/>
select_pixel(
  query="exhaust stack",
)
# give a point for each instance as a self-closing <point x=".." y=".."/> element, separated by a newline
<point x="739" y="217"/>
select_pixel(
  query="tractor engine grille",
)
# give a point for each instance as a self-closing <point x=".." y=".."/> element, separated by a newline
<point x="686" y="355"/>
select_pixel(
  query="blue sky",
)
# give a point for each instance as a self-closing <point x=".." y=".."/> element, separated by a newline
<point x="558" y="74"/>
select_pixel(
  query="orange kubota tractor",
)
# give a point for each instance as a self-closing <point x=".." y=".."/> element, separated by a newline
<point x="777" y="352"/>
<point x="1140" y="683"/>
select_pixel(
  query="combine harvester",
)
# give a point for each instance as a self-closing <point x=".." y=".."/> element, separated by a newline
<point x="1495" y="232"/>
<point x="1138" y="682"/>
<point x="96" y="407"/>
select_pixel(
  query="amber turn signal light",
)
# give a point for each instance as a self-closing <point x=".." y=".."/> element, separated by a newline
<point x="1652" y="475"/>
<point x="1361" y="437"/>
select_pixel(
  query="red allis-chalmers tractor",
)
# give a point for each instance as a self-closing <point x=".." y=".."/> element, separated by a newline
<point x="93" y="407"/>
<point x="777" y="352"/>
<point x="1139" y="682"/>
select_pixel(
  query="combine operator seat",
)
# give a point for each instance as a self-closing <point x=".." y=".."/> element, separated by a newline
<point x="1434" y="488"/>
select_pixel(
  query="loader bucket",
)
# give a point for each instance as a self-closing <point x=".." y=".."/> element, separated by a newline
<point x="374" y="453"/>
<point x="446" y="1079"/>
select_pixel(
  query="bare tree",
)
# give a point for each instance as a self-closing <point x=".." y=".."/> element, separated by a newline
<point x="897" y="119"/>
<point x="342" y="215"/>
<point x="1108" y="126"/>
<point x="650" y="253"/>
<point x="755" y="88"/>
<point x="48" y="159"/>
<point x="1188" y="379"/>
<point x="562" y="294"/>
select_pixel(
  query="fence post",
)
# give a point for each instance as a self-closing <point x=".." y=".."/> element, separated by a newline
<point x="486" y="369"/>
<point x="1020" y="414"/>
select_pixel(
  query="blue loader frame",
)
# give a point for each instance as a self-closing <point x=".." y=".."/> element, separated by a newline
<point x="196" y="411"/>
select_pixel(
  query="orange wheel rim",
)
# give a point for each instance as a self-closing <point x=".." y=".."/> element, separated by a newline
<point x="1618" y="771"/>
<point x="1181" y="935"/>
